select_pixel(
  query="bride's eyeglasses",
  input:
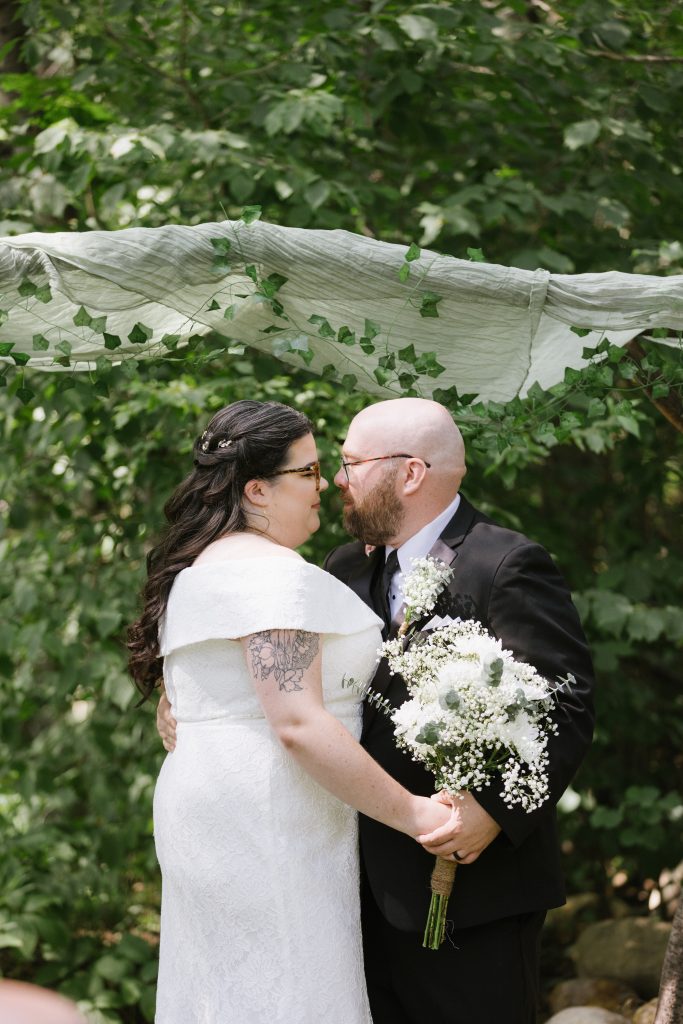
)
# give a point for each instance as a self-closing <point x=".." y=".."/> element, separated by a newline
<point x="311" y="470"/>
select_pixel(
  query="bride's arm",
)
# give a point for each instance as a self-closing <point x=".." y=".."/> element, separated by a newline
<point x="286" y="670"/>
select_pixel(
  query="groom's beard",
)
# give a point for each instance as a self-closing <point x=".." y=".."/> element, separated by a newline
<point x="377" y="517"/>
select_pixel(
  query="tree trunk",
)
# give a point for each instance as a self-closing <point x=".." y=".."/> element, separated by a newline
<point x="670" y="1006"/>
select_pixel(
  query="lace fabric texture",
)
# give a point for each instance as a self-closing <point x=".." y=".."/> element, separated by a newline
<point x="260" y="916"/>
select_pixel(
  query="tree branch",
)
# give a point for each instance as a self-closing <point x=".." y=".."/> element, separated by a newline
<point x="638" y="58"/>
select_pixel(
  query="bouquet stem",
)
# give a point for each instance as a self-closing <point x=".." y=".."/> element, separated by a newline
<point x="441" y="885"/>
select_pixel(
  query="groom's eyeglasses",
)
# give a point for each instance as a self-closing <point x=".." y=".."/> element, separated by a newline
<point x="380" y="458"/>
<point x="311" y="470"/>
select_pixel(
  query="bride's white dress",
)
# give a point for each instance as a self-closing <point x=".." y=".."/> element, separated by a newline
<point x="260" y="918"/>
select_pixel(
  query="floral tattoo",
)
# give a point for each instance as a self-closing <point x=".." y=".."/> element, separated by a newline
<point x="284" y="654"/>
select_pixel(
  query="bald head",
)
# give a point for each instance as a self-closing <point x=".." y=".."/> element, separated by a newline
<point x="416" y="426"/>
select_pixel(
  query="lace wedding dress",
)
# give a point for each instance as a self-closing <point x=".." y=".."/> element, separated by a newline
<point x="260" y="918"/>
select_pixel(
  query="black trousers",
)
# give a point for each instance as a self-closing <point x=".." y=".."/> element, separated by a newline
<point x="483" y="975"/>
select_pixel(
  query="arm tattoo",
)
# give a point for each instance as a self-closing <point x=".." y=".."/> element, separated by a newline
<point x="284" y="654"/>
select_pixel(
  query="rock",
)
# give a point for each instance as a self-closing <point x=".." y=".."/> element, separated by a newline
<point x="647" y="1013"/>
<point x="587" y="1015"/>
<point x="629" y="950"/>
<point x="604" y="992"/>
<point x="565" y="921"/>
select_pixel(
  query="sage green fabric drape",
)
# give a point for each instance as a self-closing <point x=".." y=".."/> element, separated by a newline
<point x="498" y="329"/>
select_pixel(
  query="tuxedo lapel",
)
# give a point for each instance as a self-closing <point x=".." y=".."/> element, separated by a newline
<point x="445" y="549"/>
<point x="362" y="579"/>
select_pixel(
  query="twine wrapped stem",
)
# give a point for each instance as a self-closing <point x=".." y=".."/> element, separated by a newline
<point x="441" y="884"/>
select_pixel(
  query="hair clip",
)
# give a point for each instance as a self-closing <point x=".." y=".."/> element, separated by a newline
<point x="225" y="443"/>
<point x="205" y="440"/>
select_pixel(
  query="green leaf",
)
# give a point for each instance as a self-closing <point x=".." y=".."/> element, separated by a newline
<point x="404" y="273"/>
<point x="349" y="382"/>
<point x="229" y="312"/>
<point x="428" y="364"/>
<point x="170" y="341"/>
<point x="98" y="324"/>
<point x="27" y="288"/>
<point x="660" y="332"/>
<point x="25" y="395"/>
<point x="408" y="354"/>
<point x="428" y="304"/>
<point x="581" y="331"/>
<point x="82" y="317"/>
<point x="345" y="336"/>
<point x="371" y="329"/>
<point x="366" y="345"/>
<point x="476" y="255"/>
<point x="4" y="314"/>
<point x="64" y="347"/>
<point x="6" y="347"/>
<point x="221" y="265"/>
<point x="383" y="375"/>
<point x="213" y="305"/>
<point x="324" y="328"/>
<point x="111" y="341"/>
<point x="581" y="133"/>
<point x="221" y="245"/>
<point x="251" y="272"/>
<point x="660" y="390"/>
<point x="412" y="253"/>
<point x="44" y="293"/>
<point x="140" y="334"/>
<point x="40" y="343"/>
<point x="418" y="28"/>
<point x="20" y="358"/>
<point x="250" y="214"/>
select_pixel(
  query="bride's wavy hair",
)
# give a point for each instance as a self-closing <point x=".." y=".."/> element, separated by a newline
<point x="243" y="441"/>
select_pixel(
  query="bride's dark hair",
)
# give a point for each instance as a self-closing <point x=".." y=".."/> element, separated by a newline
<point x="243" y="441"/>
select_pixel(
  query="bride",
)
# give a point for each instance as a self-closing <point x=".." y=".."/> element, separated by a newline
<point x="254" y="812"/>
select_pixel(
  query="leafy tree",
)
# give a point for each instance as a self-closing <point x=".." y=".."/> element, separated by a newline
<point x="547" y="137"/>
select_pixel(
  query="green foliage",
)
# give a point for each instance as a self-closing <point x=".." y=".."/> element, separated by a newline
<point x="505" y="129"/>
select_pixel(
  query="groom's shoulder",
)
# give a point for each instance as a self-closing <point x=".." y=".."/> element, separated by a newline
<point x="345" y="559"/>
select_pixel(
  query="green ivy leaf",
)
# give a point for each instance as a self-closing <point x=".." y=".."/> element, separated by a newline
<point x="371" y="329"/>
<point x="65" y="347"/>
<point x="6" y="347"/>
<point x="82" y="318"/>
<point x="44" y="293"/>
<point x="349" y="381"/>
<point x="4" y="314"/>
<point x="25" y="395"/>
<point x="660" y="390"/>
<point x="428" y="304"/>
<point x="324" y="328"/>
<point x="20" y="358"/>
<point x="140" y="334"/>
<point x="229" y="312"/>
<point x="221" y="265"/>
<point x="40" y="343"/>
<point x="476" y="255"/>
<point x="581" y="331"/>
<point x="408" y="354"/>
<point x="27" y="288"/>
<point x="251" y="272"/>
<point x="428" y="364"/>
<point x="170" y="341"/>
<point x="404" y="272"/>
<point x="329" y="372"/>
<point x="345" y="336"/>
<point x="382" y="375"/>
<point x="412" y="253"/>
<point x="250" y="214"/>
<point x="221" y="245"/>
<point x="111" y="341"/>
<point x="366" y="345"/>
<point x="213" y="305"/>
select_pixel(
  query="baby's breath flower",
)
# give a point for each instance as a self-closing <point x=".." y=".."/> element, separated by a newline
<point x="422" y="586"/>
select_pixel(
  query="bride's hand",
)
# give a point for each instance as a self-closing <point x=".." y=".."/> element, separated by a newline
<point x="428" y="816"/>
<point x="166" y="723"/>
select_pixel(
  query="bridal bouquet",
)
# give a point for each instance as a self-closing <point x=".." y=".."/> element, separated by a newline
<point x="474" y="716"/>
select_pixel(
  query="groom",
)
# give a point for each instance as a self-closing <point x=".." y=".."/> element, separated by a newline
<point x="402" y="464"/>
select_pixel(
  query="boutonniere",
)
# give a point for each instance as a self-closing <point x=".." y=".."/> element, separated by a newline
<point x="422" y="587"/>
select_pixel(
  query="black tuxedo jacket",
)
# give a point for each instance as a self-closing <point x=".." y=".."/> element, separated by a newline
<point x="510" y="585"/>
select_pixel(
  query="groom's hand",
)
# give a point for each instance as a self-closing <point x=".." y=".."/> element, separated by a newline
<point x="166" y="723"/>
<point x="468" y="831"/>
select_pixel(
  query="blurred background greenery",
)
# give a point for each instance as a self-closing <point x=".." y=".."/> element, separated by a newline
<point x="546" y="136"/>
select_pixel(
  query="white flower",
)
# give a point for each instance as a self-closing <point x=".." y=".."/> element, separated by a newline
<point x="423" y="584"/>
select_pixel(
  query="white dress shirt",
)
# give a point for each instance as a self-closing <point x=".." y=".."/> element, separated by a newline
<point x="417" y="546"/>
